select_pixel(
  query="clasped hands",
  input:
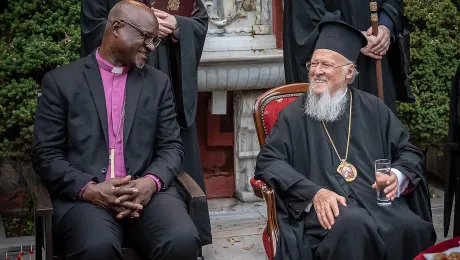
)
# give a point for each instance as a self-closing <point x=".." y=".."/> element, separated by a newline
<point x="124" y="196"/>
<point x="326" y="202"/>
<point x="377" y="46"/>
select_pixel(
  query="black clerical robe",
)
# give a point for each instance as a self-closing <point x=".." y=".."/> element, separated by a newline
<point x="301" y="18"/>
<point x="298" y="160"/>
<point x="179" y="60"/>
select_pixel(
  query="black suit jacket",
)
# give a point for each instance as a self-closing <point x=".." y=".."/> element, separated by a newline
<point x="70" y="144"/>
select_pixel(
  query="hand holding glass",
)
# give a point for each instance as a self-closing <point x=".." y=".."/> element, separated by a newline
<point x="382" y="174"/>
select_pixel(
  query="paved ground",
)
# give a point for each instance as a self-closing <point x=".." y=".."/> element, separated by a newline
<point x="237" y="229"/>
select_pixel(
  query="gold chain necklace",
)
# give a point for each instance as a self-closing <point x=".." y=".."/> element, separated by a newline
<point x="347" y="170"/>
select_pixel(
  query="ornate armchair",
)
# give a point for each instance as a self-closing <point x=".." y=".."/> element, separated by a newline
<point x="43" y="211"/>
<point x="266" y="109"/>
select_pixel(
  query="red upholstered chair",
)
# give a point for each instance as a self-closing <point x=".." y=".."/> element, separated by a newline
<point x="266" y="109"/>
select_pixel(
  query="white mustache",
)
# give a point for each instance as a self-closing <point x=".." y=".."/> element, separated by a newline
<point x="319" y="79"/>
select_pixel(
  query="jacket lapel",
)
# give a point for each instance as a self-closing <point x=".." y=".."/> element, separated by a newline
<point x="94" y="81"/>
<point x="133" y="91"/>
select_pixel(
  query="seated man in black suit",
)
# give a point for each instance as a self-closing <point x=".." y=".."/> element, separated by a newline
<point x="107" y="146"/>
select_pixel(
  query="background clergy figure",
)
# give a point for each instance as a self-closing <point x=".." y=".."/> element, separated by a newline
<point x="321" y="214"/>
<point x="301" y="18"/>
<point x="178" y="56"/>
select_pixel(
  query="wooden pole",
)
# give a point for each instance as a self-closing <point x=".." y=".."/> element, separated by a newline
<point x="378" y="63"/>
<point x="278" y="22"/>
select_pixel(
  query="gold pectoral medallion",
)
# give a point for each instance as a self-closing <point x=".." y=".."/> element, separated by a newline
<point x="173" y="5"/>
<point x="347" y="170"/>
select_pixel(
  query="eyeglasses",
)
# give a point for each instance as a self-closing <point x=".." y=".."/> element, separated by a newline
<point x="325" y="66"/>
<point x="147" y="37"/>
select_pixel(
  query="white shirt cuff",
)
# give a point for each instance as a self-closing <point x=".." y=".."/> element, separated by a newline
<point x="403" y="181"/>
<point x="308" y="208"/>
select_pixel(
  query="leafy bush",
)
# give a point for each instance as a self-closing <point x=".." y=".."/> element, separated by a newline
<point x="434" y="57"/>
<point x="35" y="37"/>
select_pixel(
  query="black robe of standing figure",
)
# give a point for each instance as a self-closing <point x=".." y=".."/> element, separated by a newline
<point x="180" y="61"/>
<point x="452" y="167"/>
<point x="301" y="18"/>
<point x="298" y="159"/>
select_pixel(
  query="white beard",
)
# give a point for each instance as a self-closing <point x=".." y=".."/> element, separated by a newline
<point x="325" y="107"/>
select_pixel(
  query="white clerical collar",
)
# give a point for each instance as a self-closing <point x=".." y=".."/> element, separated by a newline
<point x="117" y="70"/>
<point x="346" y="90"/>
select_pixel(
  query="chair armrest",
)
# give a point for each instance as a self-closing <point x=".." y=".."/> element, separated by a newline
<point x="258" y="187"/>
<point x="38" y="191"/>
<point x="272" y="221"/>
<point x="195" y="198"/>
<point x="43" y="211"/>
<point x="194" y="194"/>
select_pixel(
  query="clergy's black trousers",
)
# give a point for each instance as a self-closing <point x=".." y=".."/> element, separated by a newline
<point x="163" y="231"/>
<point x="356" y="235"/>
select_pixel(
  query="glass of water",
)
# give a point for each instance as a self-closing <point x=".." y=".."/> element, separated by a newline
<point x="382" y="174"/>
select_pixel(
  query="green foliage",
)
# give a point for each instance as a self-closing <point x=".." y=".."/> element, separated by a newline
<point x="434" y="57"/>
<point x="35" y="37"/>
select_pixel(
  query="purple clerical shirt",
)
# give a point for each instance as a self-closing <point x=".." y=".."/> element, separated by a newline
<point x="114" y="83"/>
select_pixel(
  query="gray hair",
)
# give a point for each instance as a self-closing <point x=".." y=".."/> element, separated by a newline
<point x="355" y="72"/>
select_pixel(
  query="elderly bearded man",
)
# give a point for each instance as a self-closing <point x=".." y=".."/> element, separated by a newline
<point x="322" y="214"/>
<point x="107" y="146"/>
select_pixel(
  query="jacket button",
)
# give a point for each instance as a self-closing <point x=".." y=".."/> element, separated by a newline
<point x="290" y="205"/>
<point x="297" y="211"/>
<point x="104" y="170"/>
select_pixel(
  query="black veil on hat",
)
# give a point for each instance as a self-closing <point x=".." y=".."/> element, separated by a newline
<point x="342" y="38"/>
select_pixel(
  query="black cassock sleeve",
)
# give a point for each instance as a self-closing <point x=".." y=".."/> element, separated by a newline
<point x="273" y="166"/>
<point x="93" y="20"/>
<point x="409" y="160"/>
<point x="404" y="156"/>
<point x="395" y="10"/>
<point x="186" y="55"/>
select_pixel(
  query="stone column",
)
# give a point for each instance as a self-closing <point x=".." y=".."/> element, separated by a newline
<point x="246" y="146"/>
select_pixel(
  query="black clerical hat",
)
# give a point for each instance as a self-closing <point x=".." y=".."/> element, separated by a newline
<point x="341" y="38"/>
